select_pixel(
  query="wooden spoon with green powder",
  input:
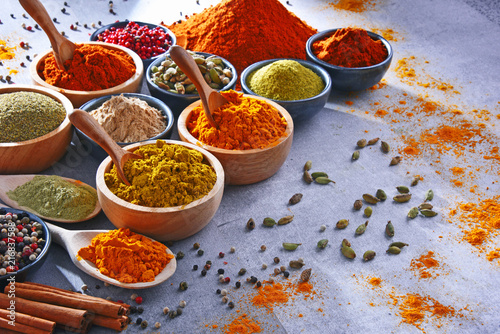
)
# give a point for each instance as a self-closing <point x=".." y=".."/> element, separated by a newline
<point x="70" y="201"/>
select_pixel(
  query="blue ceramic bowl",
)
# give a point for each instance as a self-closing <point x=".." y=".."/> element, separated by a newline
<point x="351" y="79"/>
<point x="300" y="110"/>
<point x="20" y="275"/>
<point x="95" y="150"/>
<point x="123" y="24"/>
<point x="178" y="102"/>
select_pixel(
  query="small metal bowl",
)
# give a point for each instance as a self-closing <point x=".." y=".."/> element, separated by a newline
<point x="178" y="102"/>
<point x="21" y="274"/>
<point x="300" y="110"/>
<point x="122" y="24"/>
<point x="355" y="78"/>
<point x="96" y="151"/>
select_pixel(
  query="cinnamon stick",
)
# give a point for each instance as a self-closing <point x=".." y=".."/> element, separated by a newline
<point x="21" y="328"/>
<point x="94" y="306"/>
<point x="61" y="315"/>
<point x="25" y="319"/>
<point x="113" y="323"/>
<point x="124" y="310"/>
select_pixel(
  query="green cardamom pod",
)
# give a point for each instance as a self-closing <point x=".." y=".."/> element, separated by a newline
<point x="415" y="181"/>
<point x="429" y="195"/>
<point x="345" y="243"/>
<point x="385" y="147"/>
<point x="319" y="174"/>
<point x="395" y="160"/>
<point x="308" y="165"/>
<point x="358" y="204"/>
<point x="295" y="199"/>
<point x="348" y="252"/>
<point x="425" y="206"/>
<point x="269" y="222"/>
<point x="361" y="143"/>
<point x="402" y="198"/>
<point x="370" y="199"/>
<point x="323" y="180"/>
<point x="428" y="213"/>
<point x="322" y="243"/>
<point x="403" y="189"/>
<point x="341" y="224"/>
<point x="413" y="212"/>
<point x="389" y="229"/>
<point x="381" y="195"/>
<point x="355" y="155"/>
<point x="368" y="211"/>
<point x="290" y="245"/>
<point x="285" y="220"/>
<point x="373" y="141"/>
<point x="398" y="244"/>
<point x="361" y="228"/>
<point x="307" y="177"/>
<point x="369" y="255"/>
<point x="394" y="250"/>
<point x="296" y="264"/>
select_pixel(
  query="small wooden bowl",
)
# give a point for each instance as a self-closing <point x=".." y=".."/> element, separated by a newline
<point x="35" y="155"/>
<point x="77" y="97"/>
<point x="162" y="224"/>
<point x="245" y="166"/>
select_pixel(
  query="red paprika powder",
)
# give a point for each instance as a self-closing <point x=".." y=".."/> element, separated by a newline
<point x="350" y="47"/>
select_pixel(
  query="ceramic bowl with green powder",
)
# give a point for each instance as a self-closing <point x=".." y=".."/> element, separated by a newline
<point x="299" y="86"/>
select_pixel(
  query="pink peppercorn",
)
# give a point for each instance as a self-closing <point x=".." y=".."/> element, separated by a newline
<point x="227" y="280"/>
<point x="138" y="300"/>
<point x="221" y="255"/>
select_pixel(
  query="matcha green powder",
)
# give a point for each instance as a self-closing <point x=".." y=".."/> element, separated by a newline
<point x="285" y="80"/>
<point x="52" y="196"/>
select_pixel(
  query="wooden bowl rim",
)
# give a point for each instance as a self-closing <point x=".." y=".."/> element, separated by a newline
<point x="105" y="166"/>
<point x="67" y="105"/>
<point x="139" y="71"/>
<point x="182" y="128"/>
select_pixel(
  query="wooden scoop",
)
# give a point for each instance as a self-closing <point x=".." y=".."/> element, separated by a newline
<point x="210" y="98"/>
<point x="73" y="241"/>
<point x="11" y="182"/>
<point x="88" y="125"/>
<point x="62" y="47"/>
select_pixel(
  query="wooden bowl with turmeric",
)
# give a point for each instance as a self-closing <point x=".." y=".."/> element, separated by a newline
<point x="117" y="70"/>
<point x="42" y="135"/>
<point x="148" y="208"/>
<point x="257" y="145"/>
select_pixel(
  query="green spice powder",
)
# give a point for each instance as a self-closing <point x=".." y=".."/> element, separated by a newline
<point x="285" y="80"/>
<point x="52" y="196"/>
<point x="28" y="115"/>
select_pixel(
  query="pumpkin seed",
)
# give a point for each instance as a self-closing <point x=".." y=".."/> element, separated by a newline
<point x="308" y="165"/>
<point x="373" y="141"/>
<point x="358" y="204"/>
<point x="342" y="224"/>
<point x="413" y="212"/>
<point x="394" y="250"/>
<point x="290" y="245"/>
<point x="403" y="189"/>
<point x="385" y="147"/>
<point x="402" y="198"/>
<point x="323" y="180"/>
<point x="361" y="228"/>
<point x="361" y="143"/>
<point x="322" y="243"/>
<point x="369" y="255"/>
<point x="381" y="195"/>
<point x="295" y="199"/>
<point x="269" y="222"/>
<point x="368" y="211"/>
<point x="395" y="160"/>
<point x="285" y="220"/>
<point x="370" y="199"/>
<point x="428" y="213"/>
<point x="389" y="229"/>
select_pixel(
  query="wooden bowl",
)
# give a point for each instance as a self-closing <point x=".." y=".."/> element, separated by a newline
<point x="162" y="224"/>
<point x="77" y="97"/>
<point x="245" y="166"/>
<point x="35" y="155"/>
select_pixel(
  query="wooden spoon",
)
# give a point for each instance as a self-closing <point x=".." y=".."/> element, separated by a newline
<point x="210" y="98"/>
<point x="72" y="241"/>
<point x="11" y="182"/>
<point x="88" y="125"/>
<point x="62" y="47"/>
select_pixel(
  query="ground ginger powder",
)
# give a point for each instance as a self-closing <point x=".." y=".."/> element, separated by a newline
<point x="167" y="175"/>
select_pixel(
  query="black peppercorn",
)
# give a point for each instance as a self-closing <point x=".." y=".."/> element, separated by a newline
<point x="195" y="267"/>
<point x="286" y="274"/>
<point x="203" y="272"/>
<point x="179" y="311"/>
<point x="133" y="309"/>
<point x="253" y="279"/>
<point x="220" y="271"/>
<point x="230" y="305"/>
<point x="218" y="291"/>
<point x="200" y="252"/>
<point x="140" y="310"/>
<point x="238" y="284"/>
<point x="138" y="321"/>
<point x="259" y="284"/>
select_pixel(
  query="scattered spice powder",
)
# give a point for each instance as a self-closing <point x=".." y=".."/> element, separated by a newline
<point x="423" y="264"/>
<point x="242" y="325"/>
<point x="375" y="281"/>
<point x="6" y="52"/>
<point x="356" y="6"/>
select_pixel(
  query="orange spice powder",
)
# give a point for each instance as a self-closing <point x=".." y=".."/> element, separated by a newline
<point x="357" y="6"/>
<point x="242" y="325"/>
<point x="423" y="264"/>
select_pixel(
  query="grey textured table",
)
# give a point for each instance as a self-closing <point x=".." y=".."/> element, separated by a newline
<point x="454" y="43"/>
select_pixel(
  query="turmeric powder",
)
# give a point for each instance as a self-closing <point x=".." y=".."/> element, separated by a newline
<point x="126" y="256"/>
<point x="168" y="175"/>
<point x="244" y="123"/>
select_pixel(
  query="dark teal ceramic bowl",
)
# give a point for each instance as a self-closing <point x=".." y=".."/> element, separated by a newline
<point x="351" y="79"/>
<point x="300" y="110"/>
<point x="21" y="274"/>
